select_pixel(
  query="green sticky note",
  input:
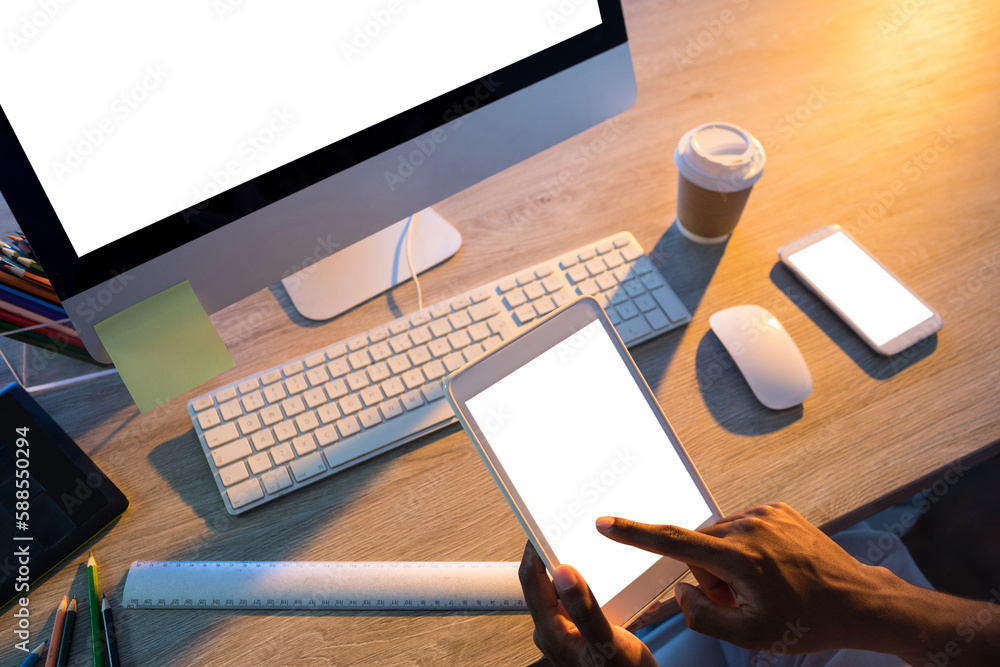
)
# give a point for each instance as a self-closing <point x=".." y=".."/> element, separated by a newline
<point x="164" y="346"/>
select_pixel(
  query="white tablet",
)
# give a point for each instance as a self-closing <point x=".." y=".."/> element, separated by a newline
<point x="570" y="431"/>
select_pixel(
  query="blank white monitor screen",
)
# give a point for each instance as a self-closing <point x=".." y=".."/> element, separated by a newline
<point x="862" y="289"/>
<point x="577" y="439"/>
<point x="130" y="112"/>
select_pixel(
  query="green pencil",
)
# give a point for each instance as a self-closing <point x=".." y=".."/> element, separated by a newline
<point x="95" y="612"/>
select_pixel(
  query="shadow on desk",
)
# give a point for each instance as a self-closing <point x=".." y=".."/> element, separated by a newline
<point x="872" y="363"/>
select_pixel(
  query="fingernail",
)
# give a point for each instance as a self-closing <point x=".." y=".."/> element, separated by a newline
<point x="604" y="523"/>
<point x="565" y="578"/>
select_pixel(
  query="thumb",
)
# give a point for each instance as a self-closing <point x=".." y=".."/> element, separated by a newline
<point x="583" y="610"/>
<point x="705" y="616"/>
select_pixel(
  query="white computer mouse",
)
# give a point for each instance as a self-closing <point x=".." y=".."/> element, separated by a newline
<point x="766" y="355"/>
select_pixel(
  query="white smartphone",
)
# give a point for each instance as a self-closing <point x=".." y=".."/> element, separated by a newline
<point x="570" y="431"/>
<point x="887" y="314"/>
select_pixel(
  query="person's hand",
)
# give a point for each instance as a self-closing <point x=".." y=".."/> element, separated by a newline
<point x="571" y="629"/>
<point x="768" y="578"/>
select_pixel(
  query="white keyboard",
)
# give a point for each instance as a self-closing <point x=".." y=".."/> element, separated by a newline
<point x="304" y="420"/>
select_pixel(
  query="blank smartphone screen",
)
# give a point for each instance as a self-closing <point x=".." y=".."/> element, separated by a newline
<point x="862" y="289"/>
<point x="576" y="437"/>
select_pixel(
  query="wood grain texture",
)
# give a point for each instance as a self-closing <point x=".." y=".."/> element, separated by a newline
<point x="883" y="121"/>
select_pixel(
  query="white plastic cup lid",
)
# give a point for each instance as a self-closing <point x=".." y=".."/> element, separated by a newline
<point x="721" y="157"/>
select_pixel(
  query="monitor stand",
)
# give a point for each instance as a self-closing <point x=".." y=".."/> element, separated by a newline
<point x="371" y="266"/>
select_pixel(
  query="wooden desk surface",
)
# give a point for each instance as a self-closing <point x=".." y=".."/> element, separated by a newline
<point x="881" y="116"/>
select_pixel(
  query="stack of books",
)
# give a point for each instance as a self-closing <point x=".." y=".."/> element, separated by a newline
<point x="30" y="311"/>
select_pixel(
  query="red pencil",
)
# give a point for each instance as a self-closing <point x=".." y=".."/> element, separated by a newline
<point x="57" y="630"/>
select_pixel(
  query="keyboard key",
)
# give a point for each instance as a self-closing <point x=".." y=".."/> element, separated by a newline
<point x="357" y="344"/>
<point x="525" y="314"/>
<point x="271" y="415"/>
<point x="209" y="419"/>
<point x="613" y="315"/>
<point x="460" y="320"/>
<point x="293" y="368"/>
<point x="633" y="329"/>
<point x="338" y="368"/>
<point x="420" y="355"/>
<point x="304" y="444"/>
<point x="613" y="260"/>
<point x="249" y="424"/>
<point x="259" y="463"/>
<point x="398" y="327"/>
<point x="657" y="319"/>
<point x="586" y="254"/>
<point x="440" y="310"/>
<point x="484" y="311"/>
<point x="534" y="291"/>
<point x="619" y="296"/>
<point x="400" y="344"/>
<point x="233" y="474"/>
<point x="627" y="310"/>
<point x="588" y="287"/>
<point x="413" y="379"/>
<point x="391" y="408"/>
<point x="631" y="253"/>
<point x="270" y="377"/>
<point x="234" y="451"/>
<point x="492" y="343"/>
<point x="578" y="274"/>
<point x="596" y="266"/>
<point x="285" y="431"/>
<point x="544" y="306"/>
<point x="568" y="262"/>
<point x="370" y="417"/>
<point x="317" y="377"/>
<point x="461" y="303"/>
<point x="480" y="296"/>
<point x="653" y="280"/>
<point x="262" y="440"/>
<point x="440" y="328"/>
<point x="247" y="386"/>
<point x="359" y="359"/>
<point x="227" y="394"/>
<point x="479" y="332"/>
<point x="282" y="453"/>
<point x="348" y="426"/>
<point x="605" y="247"/>
<point x="643" y="265"/>
<point x="525" y="277"/>
<point x="645" y="303"/>
<point x="439" y="348"/>
<point x="393" y="387"/>
<point x="335" y="351"/>
<point x="421" y="335"/>
<point x="378" y="372"/>
<point x="378" y="335"/>
<point x="621" y="240"/>
<point x="202" y="403"/>
<point x="380" y="351"/>
<point x="400" y="364"/>
<point x="314" y="398"/>
<point x="413" y="400"/>
<point x="327" y="435"/>
<point x="434" y="370"/>
<point x="357" y="381"/>
<point x="307" y="467"/>
<point x="562" y="297"/>
<point x="276" y="480"/>
<point x="371" y="396"/>
<point x="670" y="304"/>
<point x="515" y="299"/>
<point x="314" y="360"/>
<point x="633" y="288"/>
<point x="253" y="401"/>
<point x="328" y="413"/>
<point x="306" y="422"/>
<point x="293" y="406"/>
<point x="433" y="391"/>
<point x="335" y="389"/>
<point x="606" y="281"/>
<point x="221" y="435"/>
<point x="506" y="285"/>
<point x="552" y="284"/>
<point x="243" y="494"/>
<point x="230" y="410"/>
<point x="420" y="319"/>
<point x="274" y="393"/>
<point x="542" y="271"/>
<point x="350" y="404"/>
<point x="459" y="339"/>
<point x="454" y="361"/>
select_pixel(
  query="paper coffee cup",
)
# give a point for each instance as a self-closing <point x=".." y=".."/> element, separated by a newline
<point x="718" y="164"/>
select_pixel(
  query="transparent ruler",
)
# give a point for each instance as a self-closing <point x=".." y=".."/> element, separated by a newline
<point x="347" y="586"/>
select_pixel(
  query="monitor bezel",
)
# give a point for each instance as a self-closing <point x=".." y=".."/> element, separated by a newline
<point x="72" y="274"/>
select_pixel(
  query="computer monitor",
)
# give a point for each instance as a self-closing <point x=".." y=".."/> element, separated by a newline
<point x="233" y="143"/>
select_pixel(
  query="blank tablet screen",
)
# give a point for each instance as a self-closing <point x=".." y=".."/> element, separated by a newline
<point x="576" y="437"/>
